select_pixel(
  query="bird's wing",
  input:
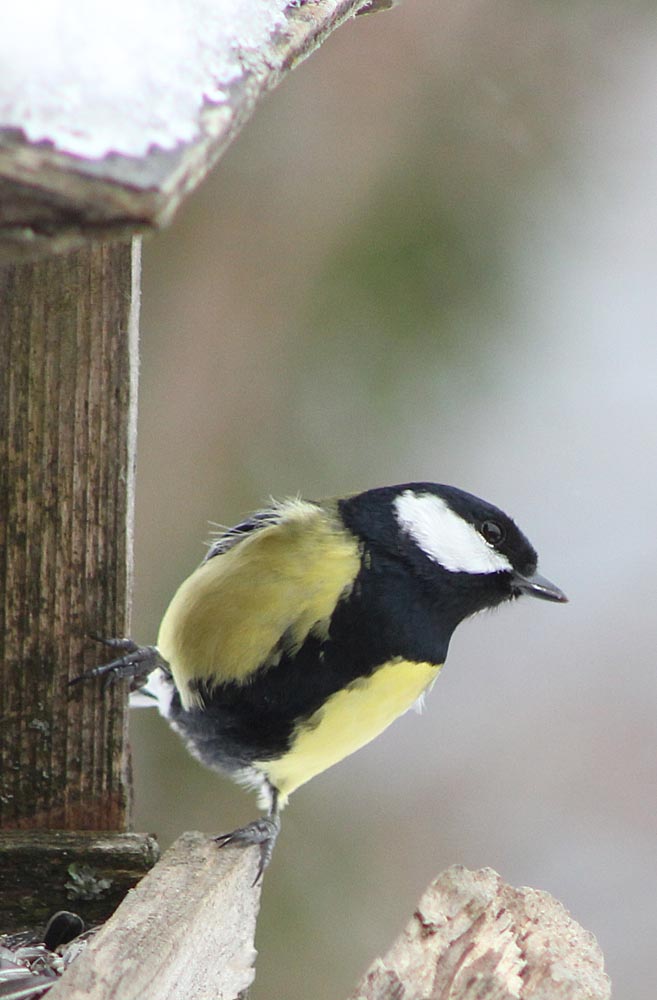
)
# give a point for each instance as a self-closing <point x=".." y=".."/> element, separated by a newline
<point x="276" y="580"/>
<point x="226" y="537"/>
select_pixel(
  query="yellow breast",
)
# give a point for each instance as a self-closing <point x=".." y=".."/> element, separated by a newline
<point x="348" y="720"/>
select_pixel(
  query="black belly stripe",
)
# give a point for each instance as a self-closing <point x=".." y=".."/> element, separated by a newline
<point x="386" y="615"/>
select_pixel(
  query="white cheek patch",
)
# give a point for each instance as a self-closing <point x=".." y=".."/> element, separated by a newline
<point x="445" y="537"/>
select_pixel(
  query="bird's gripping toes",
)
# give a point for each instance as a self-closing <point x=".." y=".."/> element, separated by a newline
<point x="135" y="665"/>
<point x="311" y="626"/>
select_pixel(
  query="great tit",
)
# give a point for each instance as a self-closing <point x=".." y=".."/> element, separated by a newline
<point x="311" y="626"/>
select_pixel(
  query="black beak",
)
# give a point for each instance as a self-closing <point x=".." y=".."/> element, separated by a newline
<point x="537" y="586"/>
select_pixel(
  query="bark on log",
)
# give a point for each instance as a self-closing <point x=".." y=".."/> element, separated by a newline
<point x="473" y="937"/>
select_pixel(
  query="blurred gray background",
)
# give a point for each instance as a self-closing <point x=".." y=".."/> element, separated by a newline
<point x="433" y="255"/>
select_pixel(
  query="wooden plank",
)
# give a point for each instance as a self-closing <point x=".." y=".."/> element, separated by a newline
<point x="68" y="332"/>
<point x="185" y="933"/>
<point x="53" y="200"/>
<point x="41" y="873"/>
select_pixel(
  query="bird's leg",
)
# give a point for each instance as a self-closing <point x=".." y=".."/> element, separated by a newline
<point x="263" y="831"/>
<point x="136" y="663"/>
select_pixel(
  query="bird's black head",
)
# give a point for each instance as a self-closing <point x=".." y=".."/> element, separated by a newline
<point x="467" y="552"/>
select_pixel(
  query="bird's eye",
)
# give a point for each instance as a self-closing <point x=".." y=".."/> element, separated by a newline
<point x="492" y="532"/>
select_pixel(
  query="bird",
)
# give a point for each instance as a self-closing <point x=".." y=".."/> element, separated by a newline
<point x="309" y="627"/>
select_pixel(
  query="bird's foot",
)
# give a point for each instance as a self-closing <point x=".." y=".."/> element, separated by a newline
<point x="262" y="832"/>
<point x="136" y="663"/>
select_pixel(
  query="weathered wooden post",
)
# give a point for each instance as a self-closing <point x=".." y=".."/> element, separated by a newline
<point x="68" y="382"/>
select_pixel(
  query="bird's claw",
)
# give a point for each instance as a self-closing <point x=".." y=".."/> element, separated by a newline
<point x="136" y="663"/>
<point x="261" y="832"/>
<point x="116" y="642"/>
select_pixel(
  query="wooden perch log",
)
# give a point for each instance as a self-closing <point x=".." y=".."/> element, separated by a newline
<point x="54" y="198"/>
<point x="185" y="933"/>
<point x="473" y="937"/>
